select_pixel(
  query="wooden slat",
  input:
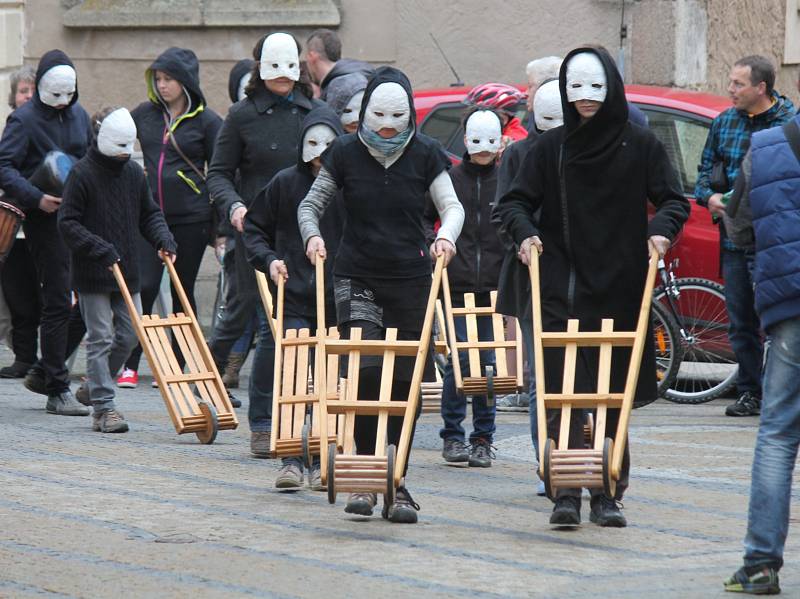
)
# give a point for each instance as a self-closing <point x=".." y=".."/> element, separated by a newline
<point x="568" y="384"/>
<point x="582" y="400"/>
<point x="368" y="407"/>
<point x="171" y="360"/>
<point x="169" y="321"/>
<point x="385" y="394"/>
<point x="473" y="341"/>
<point x="287" y="388"/>
<point x="501" y="363"/>
<point x="588" y="339"/>
<point x="371" y="347"/>
<point x="301" y="385"/>
<point x="603" y="385"/>
<point x="477" y="310"/>
<point x="207" y="388"/>
<point x="478" y="345"/>
<point x="174" y="398"/>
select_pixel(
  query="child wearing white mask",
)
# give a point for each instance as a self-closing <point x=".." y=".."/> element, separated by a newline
<point x="474" y="269"/>
<point x="382" y="269"/>
<point x="106" y="182"/>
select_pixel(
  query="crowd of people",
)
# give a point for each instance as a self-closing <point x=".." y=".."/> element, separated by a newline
<point x="323" y="158"/>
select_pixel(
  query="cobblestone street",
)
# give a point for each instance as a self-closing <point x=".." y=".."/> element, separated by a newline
<point x="152" y="514"/>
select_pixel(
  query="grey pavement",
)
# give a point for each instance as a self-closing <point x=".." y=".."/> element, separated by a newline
<point x="153" y="514"/>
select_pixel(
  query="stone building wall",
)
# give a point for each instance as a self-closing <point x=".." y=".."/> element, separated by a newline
<point x="12" y="33"/>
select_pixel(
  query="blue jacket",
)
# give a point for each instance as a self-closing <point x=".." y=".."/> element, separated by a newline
<point x="775" y="202"/>
<point x="35" y="129"/>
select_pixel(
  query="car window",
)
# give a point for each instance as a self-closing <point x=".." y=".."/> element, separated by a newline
<point x="683" y="136"/>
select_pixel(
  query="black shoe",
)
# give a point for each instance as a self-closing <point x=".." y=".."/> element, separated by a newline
<point x="17" y="370"/>
<point x="567" y="511"/>
<point x="748" y="404"/>
<point x="605" y="512"/>
<point x="455" y="451"/>
<point x="403" y="510"/>
<point x="34" y="381"/>
<point x="236" y="403"/>
<point x="481" y="453"/>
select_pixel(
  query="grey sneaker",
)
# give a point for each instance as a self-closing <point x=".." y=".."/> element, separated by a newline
<point x="455" y="451"/>
<point x="361" y="503"/>
<point x="109" y="421"/>
<point x="315" y="480"/>
<point x="481" y="454"/>
<point x="259" y="444"/>
<point x="403" y="510"/>
<point x="64" y="404"/>
<point x="513" y="402"/>
<point x="82" y="394"/>
<point x="289" y="477"/>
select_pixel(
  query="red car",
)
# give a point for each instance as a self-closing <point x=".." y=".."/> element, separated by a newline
<point x="680" y="119"/>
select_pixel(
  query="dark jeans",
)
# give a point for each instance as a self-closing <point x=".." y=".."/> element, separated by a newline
<point x="744" y="328"/>
<point x="51" y="258"/>
<point x="191" y="240"/>
<point x="262" y="375"/>
<point x="454" y="407"/>
<point x="21" y="290"/>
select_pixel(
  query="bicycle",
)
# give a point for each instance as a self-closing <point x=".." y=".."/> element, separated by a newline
<point x="690" y="326"/>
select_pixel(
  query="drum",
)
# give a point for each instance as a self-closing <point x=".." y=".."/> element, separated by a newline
<point x="11" y="219"/>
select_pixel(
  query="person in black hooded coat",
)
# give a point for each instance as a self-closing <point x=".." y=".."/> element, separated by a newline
<point x="382" y="268"/>
<point x="592" y="179"/>
<point x="175" y="114"/>
<point x="31" y="132"/>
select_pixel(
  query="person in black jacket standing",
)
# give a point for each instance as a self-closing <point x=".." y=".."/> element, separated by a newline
<point x="258" y="138"/>
<point x="592" y="179"/>
<point x="107" y="203"/>
<point x="177" y="132"/>
<point x="274" y="246"/>
<point x="52" y="120"/>
<point x="474" y="269"/>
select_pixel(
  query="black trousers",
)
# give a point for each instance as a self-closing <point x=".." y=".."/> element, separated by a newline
<point x="191" y="239"/>
<point x="51" y="259"/>
<point x="21" y="291"/>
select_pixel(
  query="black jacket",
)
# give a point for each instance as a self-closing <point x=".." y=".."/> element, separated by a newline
<point x="106" y="203"/>
<point x="592" y="182"/>
<point x="35" y="129"/>
<point x="345" y="66"/>
<point x="476" y="265"/>
<point x="271" y="230"/>
<point x="176" y="187"/>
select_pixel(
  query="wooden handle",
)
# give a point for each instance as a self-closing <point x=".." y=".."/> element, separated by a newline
<point x="266" y="300"/>
<point x="319" y="266"/>
<point x="277" y="365"/>
<point x="538" y="355"/>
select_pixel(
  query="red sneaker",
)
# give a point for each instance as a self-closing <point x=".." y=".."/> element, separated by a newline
<point x="129" y="379"/>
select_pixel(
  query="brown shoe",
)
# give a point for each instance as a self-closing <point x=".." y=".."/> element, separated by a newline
<point x="361" y="503"/>
<point x="109" y="421"/>
<point x="259" y="445"/>
<point x="231" y="376"/>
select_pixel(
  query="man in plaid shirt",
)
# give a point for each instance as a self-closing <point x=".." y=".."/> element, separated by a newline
<point x="756" y="106"/>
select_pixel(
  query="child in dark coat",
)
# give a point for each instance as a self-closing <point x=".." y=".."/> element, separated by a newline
<point x="106" y="203"/>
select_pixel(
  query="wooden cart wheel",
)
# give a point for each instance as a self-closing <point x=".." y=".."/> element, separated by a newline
<point x="306" y="452"/>
<point x="208" y="435"/>
<point x="388" y="497"/>
<point x="609" y="484"/>
<point x="548" y="463"/>
<point x="331" y="476"/>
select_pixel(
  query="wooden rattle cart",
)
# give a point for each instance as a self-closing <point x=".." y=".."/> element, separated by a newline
<point x="382" y="472"/>
<point x="481" y="380"/>
<point x="598" y="464"/>
<point x="295" y="396"/>
<point x="196" y="401"/>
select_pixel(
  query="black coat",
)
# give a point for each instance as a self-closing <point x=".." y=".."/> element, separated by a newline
<point x="592" y="181"/>
<point x="176" y="187"/>
<point x="35" y="129"/>
<point x="476" y="265"/>
<point x="106" y="204"/>
<point x="272" y="233"/>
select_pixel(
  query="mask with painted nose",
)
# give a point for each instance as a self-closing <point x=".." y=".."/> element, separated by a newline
<point x="279" y="58"/>
<point x="483" y="132"/>
<point x="57" y="86"/>
<point x="586" y="78"/>
<point x="316" y="140"/>
<point x="388" y="108"/>
<point x="547" y="110"/>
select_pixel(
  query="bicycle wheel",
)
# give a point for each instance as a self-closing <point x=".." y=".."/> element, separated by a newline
<point x="668" y="346"/>
<point x="708" y="368"/>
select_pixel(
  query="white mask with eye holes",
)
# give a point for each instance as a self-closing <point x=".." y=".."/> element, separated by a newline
<point x="57" y="85"/>
<point x="388" y="108"/>
<point x="547" y="111"/>
<point x="483" y="133"/>
<point x="117" y="134"/>
<point x="316" y="141"/>
<point x="351" y="111"/>
<point x="586" y="78"/>
<point x="240" y="95"/>
<point x="279" y="58"/>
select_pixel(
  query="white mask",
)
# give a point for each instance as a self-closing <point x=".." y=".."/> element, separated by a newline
<point x="586" y="78"/>
<point x="240" y="95"/>
<point x="483" y="132"/>
<point x="351" y="111"/>
<point x="57" y="85"/>
<point x="547" y="109"/>
<point x="388" y="108"/>
<point x="316" y="141"/>
<point x="279" y="58"/>
<point x="117" y="134"/>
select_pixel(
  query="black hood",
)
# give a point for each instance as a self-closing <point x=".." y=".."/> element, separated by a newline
<point x="346" y="66"/>
<point x="50" y="59"/>
<point x="239" y="70"/>
<point x="389" y="75"/>
<point x="321" y="115"/>
<point x="591" y="141"/>
<point x="181" y="64"/>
